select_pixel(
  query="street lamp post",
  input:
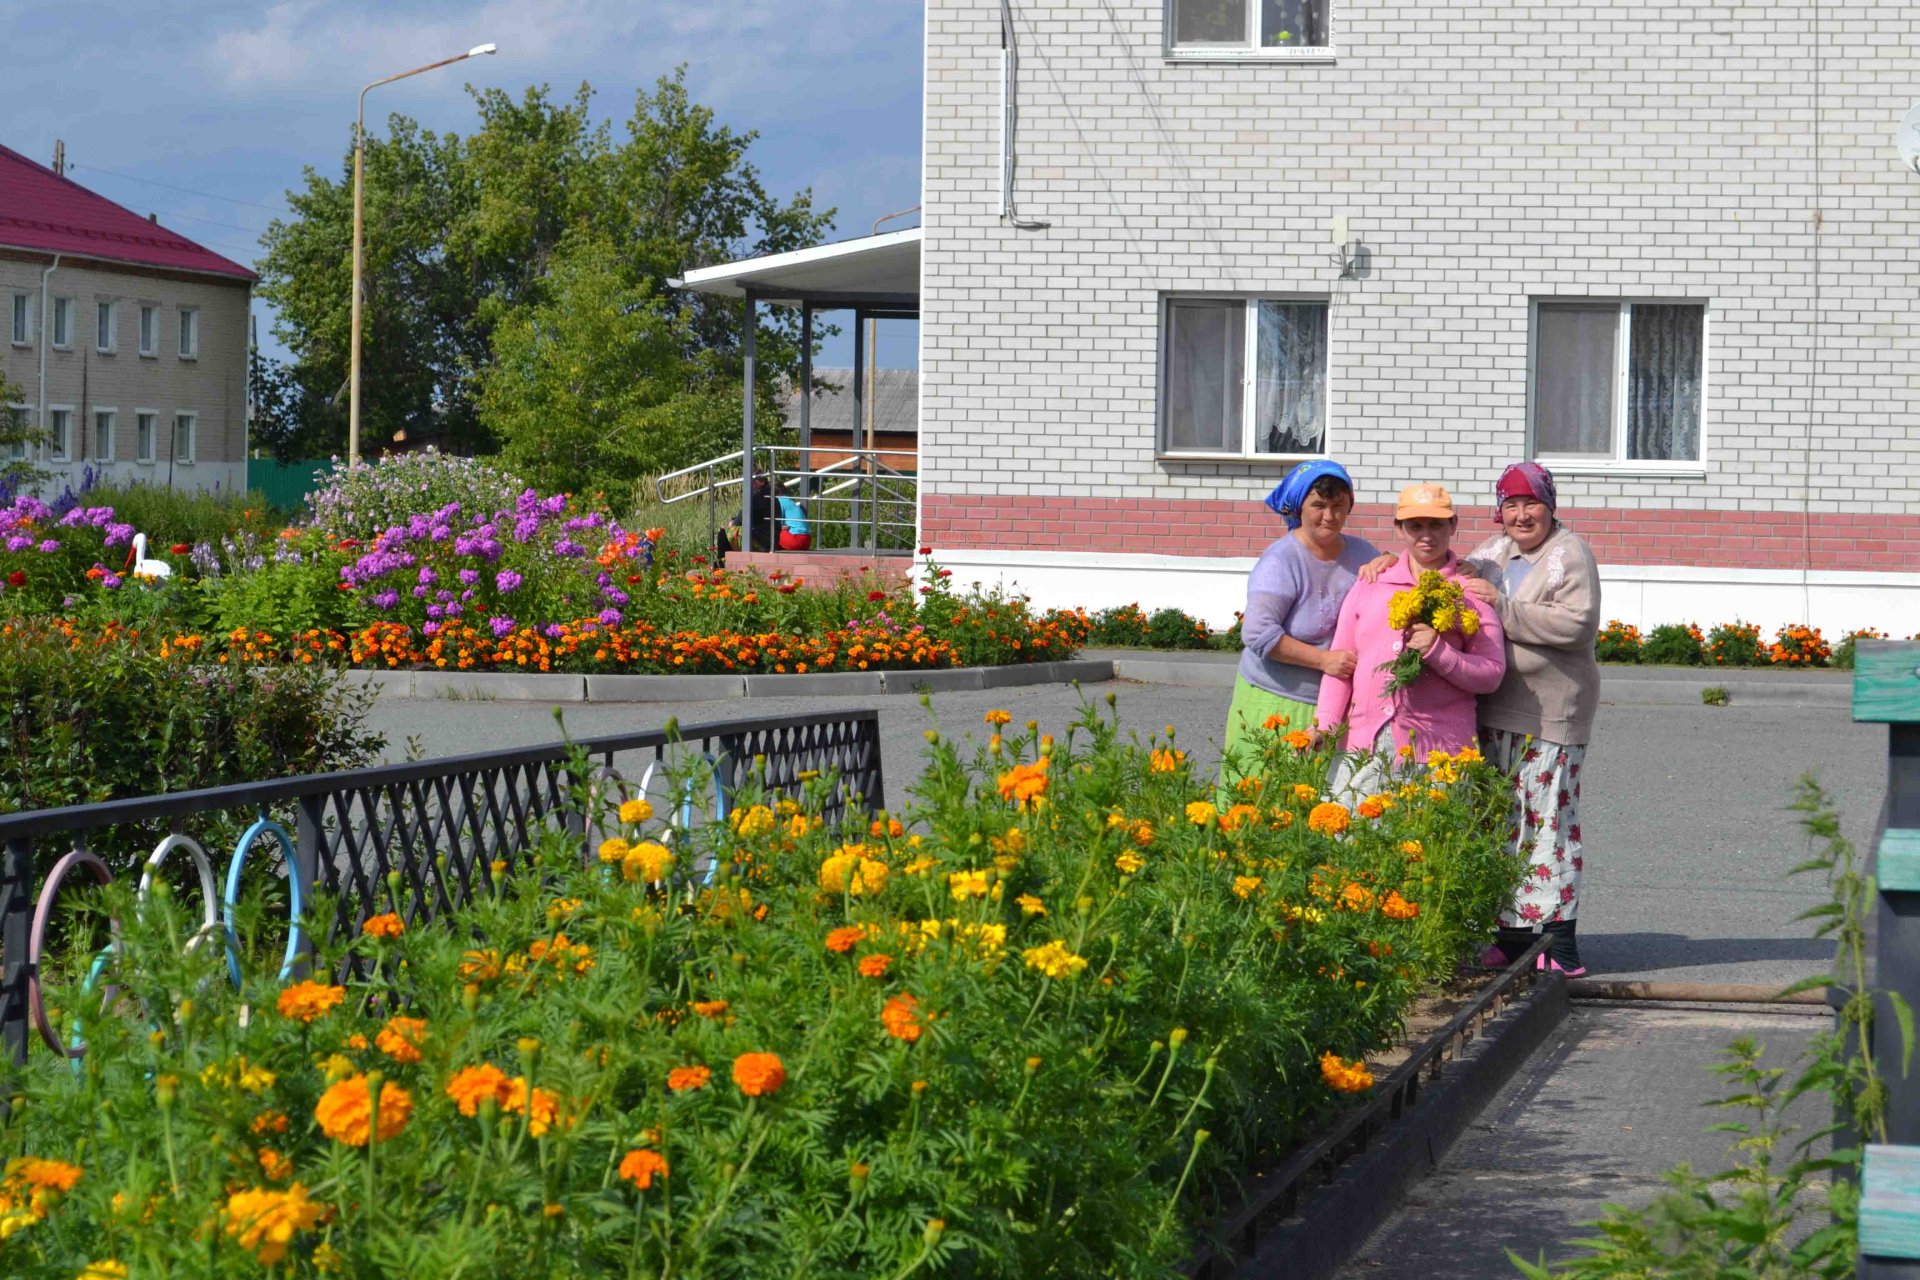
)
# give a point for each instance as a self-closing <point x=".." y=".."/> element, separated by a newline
<point x="359" y="168"/>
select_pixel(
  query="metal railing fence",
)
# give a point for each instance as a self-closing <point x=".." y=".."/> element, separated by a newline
<point x="439" y="824"/>
<point x="866" y="499"/>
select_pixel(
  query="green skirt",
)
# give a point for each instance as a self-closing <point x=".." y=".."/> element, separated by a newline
<point x="1248" y="712"/>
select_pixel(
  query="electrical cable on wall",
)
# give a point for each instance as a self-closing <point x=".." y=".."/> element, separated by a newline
<point x="1009" y="122"/>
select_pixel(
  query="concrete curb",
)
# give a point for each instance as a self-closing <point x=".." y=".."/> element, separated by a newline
<point x="1335" y="1222"/>
<point x="514" y="686"/>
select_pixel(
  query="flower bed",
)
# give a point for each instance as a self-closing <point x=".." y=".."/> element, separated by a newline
<point x="1032" y="1025"/>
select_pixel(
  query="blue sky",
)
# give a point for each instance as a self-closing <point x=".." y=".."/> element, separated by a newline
<point x="230" y="100"/>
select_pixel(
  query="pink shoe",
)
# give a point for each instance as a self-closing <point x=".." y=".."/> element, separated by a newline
<point x="1543" y="964"/>
<point x="1495" y="958"/>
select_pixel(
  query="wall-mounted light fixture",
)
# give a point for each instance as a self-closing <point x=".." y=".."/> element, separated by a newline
<point x="1346" y="249"/>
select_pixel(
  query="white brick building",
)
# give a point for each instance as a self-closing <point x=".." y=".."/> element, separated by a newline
<point x="1671" y="250"/>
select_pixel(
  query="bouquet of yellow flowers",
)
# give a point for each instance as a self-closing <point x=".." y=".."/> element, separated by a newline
<point x="1435" y="600"/>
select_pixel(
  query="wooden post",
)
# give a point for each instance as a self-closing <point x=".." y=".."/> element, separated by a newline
<point x="1886" y="690"/>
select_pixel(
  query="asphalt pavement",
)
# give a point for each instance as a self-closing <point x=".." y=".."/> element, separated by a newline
<point x="1688" y="841"/>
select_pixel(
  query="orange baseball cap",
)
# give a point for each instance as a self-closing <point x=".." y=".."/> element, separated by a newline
<point x="1428" y="499"/>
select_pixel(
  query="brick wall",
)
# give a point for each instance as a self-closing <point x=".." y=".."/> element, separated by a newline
<point x="1203" y="527"/>
<point x="1486" y="154"/>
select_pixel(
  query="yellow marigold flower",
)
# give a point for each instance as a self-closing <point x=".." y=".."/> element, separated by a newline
<point x="541" y="1105"/>
<point x="1246" y="886"/>
<point x="1141" y="833"/>
<point x="345" y="1111"/>
<point x="754" y="820"/>
<point x="1414" y="850"/>
<point x="1329" y="819"/>
<point x="1398" y="908"/>
<point x="918" y="867"/>
<point x="636" y="811"/>
<point x="1238" y="816"/>
<point x="1054" y="960"/>
<point x="1280" y="818"/>
<point x="798" y="826"/>
<point x="237" y="1073"/>
<point x="471" y="1086"/>
<point x="389" y="925"/>
<point x="1303" y="793"/>
<point x="1129" y="862"/>
<point x="1166" y="760"/>
<point x="1201" y="813"/>
<point x="614" y="850"/>
<point x="305" y="1001"/>
<point x="682" y="1079"/>
<point x="646" y="862"/>
<point x="1030" y="905"/>
<point x="849" y="870"/>
<point x="759" y="1074"/>
<point x="999" y="719"/>
<point x="1304" y="915"/>
<point x="1345" y="1077"/>
<point x="264" y="1221"/>
<point x="401" y="1038"/>
<point x="642" y="1166"/>
<point x="106" y="1269"/>
<point x="325" y="1260"/>
<point x="967" y="884"/>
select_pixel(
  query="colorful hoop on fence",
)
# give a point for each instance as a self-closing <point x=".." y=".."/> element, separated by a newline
<point x="94" y="970"/>
<point x="209" y="891"/>
<point x="296" y="892"/>
<point x="37" y="939"/>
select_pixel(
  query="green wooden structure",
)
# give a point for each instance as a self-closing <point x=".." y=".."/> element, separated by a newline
<point x="1886" y="690"/>
<point x="285" y="485"/>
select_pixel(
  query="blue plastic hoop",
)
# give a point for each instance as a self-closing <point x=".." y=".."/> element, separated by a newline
<point x="296" y="908"/>
<point x="76" y="1041"/>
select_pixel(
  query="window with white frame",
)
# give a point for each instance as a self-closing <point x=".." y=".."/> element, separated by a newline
<point x="1244" y="377"/>
<point x="20" y="330"/>
<point x="146" y="424"/>
<point x="103" y="327"/>
<point x="59" y="433"/>
<point x="103" y="426"/>
<point x="189" y="333"/>
<point x="149" y="329"/>
<point x="1249" y="27"/>
<point x="1618" y="383"/>
<point x="183" y="429"/>
<point x="63" y="323"/>
<point x="19" y="423"/>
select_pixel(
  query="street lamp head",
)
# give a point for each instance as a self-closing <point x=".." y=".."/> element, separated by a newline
<point x="479" y="49"/>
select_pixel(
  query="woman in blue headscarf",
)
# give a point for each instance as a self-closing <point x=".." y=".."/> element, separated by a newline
<point x="1293" y="600"/>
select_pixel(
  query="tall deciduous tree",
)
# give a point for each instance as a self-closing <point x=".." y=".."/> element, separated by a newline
<point x="497" y="261"/>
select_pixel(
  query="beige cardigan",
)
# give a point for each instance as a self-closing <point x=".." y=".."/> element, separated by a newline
<point x="1552" y="686"/>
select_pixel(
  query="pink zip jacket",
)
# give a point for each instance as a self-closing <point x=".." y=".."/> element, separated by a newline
<point x="1438" y="711"/>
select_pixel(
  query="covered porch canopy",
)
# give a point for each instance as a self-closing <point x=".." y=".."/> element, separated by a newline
<point x="876" y="277"/>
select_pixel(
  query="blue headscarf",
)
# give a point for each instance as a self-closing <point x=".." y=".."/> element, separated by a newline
<point x="1291" y="494"/>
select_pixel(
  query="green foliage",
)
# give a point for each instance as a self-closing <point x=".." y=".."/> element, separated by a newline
<point x="1714" y="695"/>
<point x="472" y="242"/>
<point x="362" y="501"/>
<point x="1123" y="625"/>
<point x="1101" y="1001"/>
<point x="1735" y="644"/>
<point x="172" y="516"/>
<point x="1175" y="629"/>
<point x="1674" y="644"/>
<point x="114" y="717"/>
<point x="1617" y="642"/>
<point x="1782" y="1209"/>
<point x="283" y="597"/>
<point x="1843" y="653"/>
<point x="18" y="475"/>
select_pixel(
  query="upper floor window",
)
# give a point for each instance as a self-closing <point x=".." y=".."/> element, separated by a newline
<point x="21" y="329"/>
<point x="103" y="326"/>
<point x="149" y="329"/>
<point x="1618" y="383"/>
<point x="1244" y="377"/>
<point x="63" y="323"/>
<point x="1285" y="28"/>
<point x="189" y="332"/>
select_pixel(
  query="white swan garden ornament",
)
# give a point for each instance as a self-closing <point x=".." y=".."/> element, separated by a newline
<point x="145" y="568"/>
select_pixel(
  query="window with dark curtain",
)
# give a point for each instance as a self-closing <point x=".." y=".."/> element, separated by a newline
<point x="1573" y="377"/>
<point x="1663" y="383"/>
<point x="1290" y="379"/>
<point x="1205" y="357"/>
<point x="1210" y="22"/>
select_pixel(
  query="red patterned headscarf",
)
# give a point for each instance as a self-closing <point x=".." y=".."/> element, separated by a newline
<point x="1525" y="480"/>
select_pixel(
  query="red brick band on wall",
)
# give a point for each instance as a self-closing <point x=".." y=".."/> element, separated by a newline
<point x="1212" y="527"/>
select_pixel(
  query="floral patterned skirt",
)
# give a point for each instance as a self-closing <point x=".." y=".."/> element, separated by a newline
<point x="1543" y="826"/>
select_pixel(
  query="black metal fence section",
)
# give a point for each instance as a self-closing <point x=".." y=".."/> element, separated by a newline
<point x="1314" y="1164"/>
<point x="442" y="824"/>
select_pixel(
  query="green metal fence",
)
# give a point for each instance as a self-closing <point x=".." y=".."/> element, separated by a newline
<point x="285" y="485"/>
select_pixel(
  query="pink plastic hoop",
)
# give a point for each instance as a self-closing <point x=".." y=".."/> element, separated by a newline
<point x="42" y="914"/>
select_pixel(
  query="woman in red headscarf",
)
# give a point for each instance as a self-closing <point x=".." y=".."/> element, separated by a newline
<point x="1540" y="576"/>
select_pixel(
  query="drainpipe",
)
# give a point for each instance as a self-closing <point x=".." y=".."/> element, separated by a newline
<point x="40" y="417"/>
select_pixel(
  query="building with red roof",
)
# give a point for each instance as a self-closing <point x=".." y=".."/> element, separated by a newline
<point x="123" y="341"/>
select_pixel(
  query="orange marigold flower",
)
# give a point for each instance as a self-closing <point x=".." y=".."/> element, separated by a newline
<point x="681" y="1079"/>
<point x="759" y="1074"/>
<point x="1329" y="819"/>
<point x="999" y="719"/>
<point x="274" y="1165"/>
<point x="845" y="939"/>
<point x="875" y="966"/>
<point x="264" y="1221"/>
<point x="901" y="1016"/>
<point x="1166" y="760"/>
<point x="305" y="1001"/>
<point x="1398" y="908"/>
<point x="1345" y="1077"/>
<point x="1299" y="739"/>
<point x="642" y="1166"/>
<point x="1372" y="806"/>
<point x="710" y="1008"/>
<point x="345" y="1111"/>
<point x="400" y="1039"/>
<point x="1356" y="897"/>
<point x="471" y="1086"/>
<point x="269" y="1122"/>
<point x="389" y="925"/>
<point x="541" y="1105"/>
<point x="1025" y="783"/>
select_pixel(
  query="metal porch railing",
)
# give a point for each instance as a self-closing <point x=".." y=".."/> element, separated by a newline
<point x="866" y="500"/>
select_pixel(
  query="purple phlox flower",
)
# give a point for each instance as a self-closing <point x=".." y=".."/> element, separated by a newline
<point x="568" y="547"/>
<point x="554" y="631"/>
<point x="507" y="581"/>
<point x="427" y="576"/>
<point x="434" y="611"/>
<point x="440" y="533"/>
<point x="19" y="542"/>
<point x="111" y="581"/>
<point x="610" y="616"/>
<point x="209" y="564"/>
<point x="603" y="579"/>
<point x="617" y="596"/>
<point x="386" y="600"/>
<point x="469" y="576"/>
<point x="466" y="595"/>
<point x="555" y="505"/>
<point x="49" y="547"/>
<point x="453" y="610"/>
<point x="119" y="534"/>
<point x="429" y="627"/>
<point x="443" y="595"/>
<point x="501" y="625"/>
<point x="419" y="593"/>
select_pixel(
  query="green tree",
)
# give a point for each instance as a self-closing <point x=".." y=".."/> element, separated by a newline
<point x="465" y="241"/>
<point x="18" y="435"/>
